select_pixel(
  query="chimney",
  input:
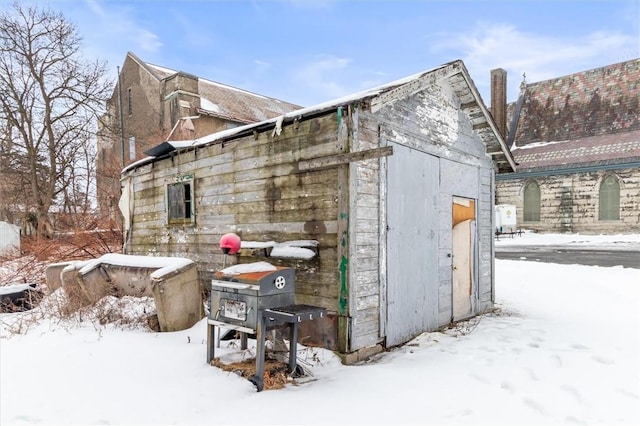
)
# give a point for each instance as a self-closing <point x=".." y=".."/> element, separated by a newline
<point x="499" y="100"/>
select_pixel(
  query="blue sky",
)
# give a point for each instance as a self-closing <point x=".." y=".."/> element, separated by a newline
<point x="307" y="52"/>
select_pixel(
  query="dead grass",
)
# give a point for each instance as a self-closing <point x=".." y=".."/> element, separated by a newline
<point x="275" y="372"/>
<point x="63" y="306"/>
<point x="30" y="263"/>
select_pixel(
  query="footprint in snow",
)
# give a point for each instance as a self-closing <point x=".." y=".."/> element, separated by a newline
<point x="532" y="374"/>
<point x="508" y="387"/>
<point x="534" y="405"/>
<point x="579" y="346"/>
<point x="480" y="378"/>
<point x="573" y="392"/>
<point x="555" y="358"/>
<point x="602" y="360"/>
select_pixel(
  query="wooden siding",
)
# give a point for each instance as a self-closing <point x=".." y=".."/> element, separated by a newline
<point x="365" y="231"/>
<point x="250" y="186"/>
<point x="569" y="202"/>
<point x="431" y="122"/>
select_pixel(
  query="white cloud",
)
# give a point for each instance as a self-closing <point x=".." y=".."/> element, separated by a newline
<point x="193" y="36"/>
<point x="313" y="4"/>
<point x="541" y="57"/>
<point x="95" y="6"/>
<point x="148" y="41"/>
<point x="261" y="66"/>
<point x="323" y="74"/>
<point x="108" y="26"/>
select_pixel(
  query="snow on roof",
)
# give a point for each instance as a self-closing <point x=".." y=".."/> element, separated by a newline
<point x="536" y="145"/>
<point x="162" y="69"/>
<point x="328" y="105"/>
<point x="208" y="105"/>
<point x="165" y="265"/>
<point x="244" y="268"/>
<point x="232" y="88"/>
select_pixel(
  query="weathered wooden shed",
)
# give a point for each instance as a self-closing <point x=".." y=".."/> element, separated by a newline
<point x="391" y="189"/>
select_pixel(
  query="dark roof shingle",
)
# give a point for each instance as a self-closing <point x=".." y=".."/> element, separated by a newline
<point x="597" y="102"/>
<point x="589" y="151"/>
<point x="231" y="103"/>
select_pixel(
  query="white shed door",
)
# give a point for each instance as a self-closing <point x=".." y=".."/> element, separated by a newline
<point x="461" y="247"/>
<point x="412" y="244"/>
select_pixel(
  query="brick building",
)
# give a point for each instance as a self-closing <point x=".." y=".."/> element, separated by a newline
<point x="152" y="103"/>
<point x="576" y="141"/>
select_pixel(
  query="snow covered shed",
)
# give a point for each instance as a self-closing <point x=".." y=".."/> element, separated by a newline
<point x="391" y="189"/>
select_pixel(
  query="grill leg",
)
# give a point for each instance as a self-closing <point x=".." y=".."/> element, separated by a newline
<point x="243" y="340"/>
<point x="293" y="346"/>
<point x="211" y="342"/>
<point x="258" y="378"/>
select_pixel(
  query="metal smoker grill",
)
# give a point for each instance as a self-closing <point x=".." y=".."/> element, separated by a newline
<point x="252" y="303"/>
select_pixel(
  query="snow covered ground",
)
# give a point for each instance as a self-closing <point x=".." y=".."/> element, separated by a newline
<point x="608" y="242"/>
<point x="562" y="348"/>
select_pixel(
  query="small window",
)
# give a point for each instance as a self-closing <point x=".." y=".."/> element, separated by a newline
<point x="180" y="202"/>
<point x="609" y="199"/>
<point x="531" y="202"/>
<point x="132" y="147"/>
<point x="129" y="101"/>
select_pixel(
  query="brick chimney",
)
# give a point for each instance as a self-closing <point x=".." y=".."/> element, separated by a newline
<point x="499" y="100"/>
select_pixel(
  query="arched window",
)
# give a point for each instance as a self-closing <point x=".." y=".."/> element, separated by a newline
<point x="531" y="202"/>
<point x="609" y="198"/>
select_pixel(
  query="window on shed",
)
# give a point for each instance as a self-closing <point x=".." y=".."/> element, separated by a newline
<point x="609" y="199"/>
<point x="531" y="202"/>
<point x="180" y="202"/>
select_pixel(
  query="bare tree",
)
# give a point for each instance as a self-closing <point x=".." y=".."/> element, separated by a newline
<point x="51" y="100"/>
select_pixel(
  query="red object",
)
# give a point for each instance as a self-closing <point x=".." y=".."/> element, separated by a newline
<point x="230" y="243"/>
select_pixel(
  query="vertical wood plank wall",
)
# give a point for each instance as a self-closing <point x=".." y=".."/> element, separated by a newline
<point x="251" y="186"/>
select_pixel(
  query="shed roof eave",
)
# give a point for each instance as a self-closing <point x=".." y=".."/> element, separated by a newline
<point x="569" y="169"/>
<point x="506" y="152"/>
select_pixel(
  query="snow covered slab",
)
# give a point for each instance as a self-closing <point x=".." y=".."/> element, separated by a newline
<point x="172" y="281"/>
<point x="296" y="249"/>
<point x="165" y="265"/>
<point x="15" y="288"/>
